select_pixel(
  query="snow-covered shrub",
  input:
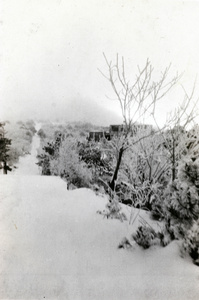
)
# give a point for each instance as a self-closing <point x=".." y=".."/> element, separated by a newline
<point x="145" y="236"/>
<point x="181" y="143"/>
<point x="182" y="199"/>
<point x="68" y="165"/>
<point x="113" y="208"/>
<point x="146" y="170"/>
<point x="114" y="211"/>
<point x="124" y="244"/>
<point x="191" y="242"/>
<point x="5" y="144"/>
<point x="49" y="152"/>
<point x="21" y="134"/>
<point x="91" y="153"/>
<point x="41" y="133"/>
<point x="98" y="189"/>
<point x="164" y="236"/>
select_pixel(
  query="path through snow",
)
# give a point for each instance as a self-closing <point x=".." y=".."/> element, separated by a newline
<point x="53" y="245"/>
<point x="27" y="164"/>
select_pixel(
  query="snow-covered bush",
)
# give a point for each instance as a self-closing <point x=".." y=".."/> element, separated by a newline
<point x="65" y="152"/>
<point x="5" y="145"/>
<point x="98" y="189"/>
<point x="21" y="134"/>
<point x="124" y="244"/>
<point x="182" y="199"/>
<point x="191" y="242"/>
<point x="156" y="201"/>
<point x="113" y="208"/>
<point x="49" y="152"/>
<point x="114" y="211"/>
<point x="68" y="165"/>
<point x="90" y="153"/>
<point x="180" y="143"/>
<point x="41" y="133"/>
<point x="146" y="170"/>
<point x="145" y="236"/>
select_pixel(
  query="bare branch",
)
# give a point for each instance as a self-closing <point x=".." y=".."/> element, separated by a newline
<point x="139" y="97"/>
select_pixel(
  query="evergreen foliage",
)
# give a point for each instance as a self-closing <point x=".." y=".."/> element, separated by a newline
<point x="144" y="236"/>
<point x="191" y="242"/>
<point x="93" y="155"/>
<point x="49" y="152"/>
<point x="4" y="144"/>
<point x="182" y="199"/>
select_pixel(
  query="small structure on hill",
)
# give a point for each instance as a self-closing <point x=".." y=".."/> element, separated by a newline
<point x="96" y="136"/>
<point x="115" y="131"/>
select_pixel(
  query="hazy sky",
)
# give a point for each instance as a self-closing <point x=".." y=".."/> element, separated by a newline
<point x="50" y="52"/>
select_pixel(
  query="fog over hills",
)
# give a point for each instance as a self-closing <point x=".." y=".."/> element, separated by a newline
<point x="51" y="53"/>
<point x="83" y="110"/>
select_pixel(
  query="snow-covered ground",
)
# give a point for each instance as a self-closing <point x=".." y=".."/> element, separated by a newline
<point x="53" y="245"/>
<point x="27" y="164"/>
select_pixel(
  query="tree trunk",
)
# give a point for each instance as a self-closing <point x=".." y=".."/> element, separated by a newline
<point x="114" y="178"/>
<point x="173" y="162"/>
<point x="4" y="167"/>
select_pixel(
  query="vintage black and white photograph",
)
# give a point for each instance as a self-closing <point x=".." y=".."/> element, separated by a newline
<point x="99" y="149"/>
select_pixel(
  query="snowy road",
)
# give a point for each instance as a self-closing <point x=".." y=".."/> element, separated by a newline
<point x="27" y="164"/>
<point x="53" y="245"/>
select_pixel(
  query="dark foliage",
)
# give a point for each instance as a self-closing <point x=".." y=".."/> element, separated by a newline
<point x="144" y="236"/>
<point x="4" y="148"/>
<point x="49" y="152"/>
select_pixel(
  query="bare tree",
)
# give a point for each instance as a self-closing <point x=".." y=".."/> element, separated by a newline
<point x="137" y="98"/>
